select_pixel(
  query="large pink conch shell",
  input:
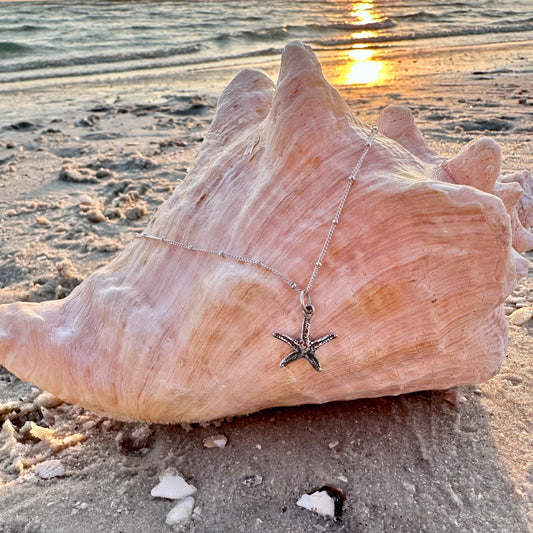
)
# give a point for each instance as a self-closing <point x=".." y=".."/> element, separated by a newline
<point x="412" y="284"/>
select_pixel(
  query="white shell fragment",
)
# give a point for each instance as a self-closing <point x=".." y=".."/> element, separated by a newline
<point x="181" y="512"/>
<point x="50" y="469"/>
<point x="521" y="316"/>
<point x="48" y="400"/>
<point x="85" y="200"/>
<point x="172" y="488"/>
<point x="454" y="397"/>
<point x="319" y="502"/>
<point x="215" y="441"/>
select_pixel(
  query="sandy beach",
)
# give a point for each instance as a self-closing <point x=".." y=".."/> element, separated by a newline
<point x="79" y="174"/>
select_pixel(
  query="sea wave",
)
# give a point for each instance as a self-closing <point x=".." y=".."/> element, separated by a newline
<point x="9" y="49"/>
<point x="23" y="28"/>
<point x="67" y="71"/>
<point x="300" y="30"/>
<point x="379" y="24"/>
<point x="111" y="57"/>
<point x="271" y="35"/>
<point x="419" y="16"/>
<point x="414" y="36"/>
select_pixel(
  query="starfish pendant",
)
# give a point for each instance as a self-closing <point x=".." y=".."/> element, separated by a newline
<point x="304" y="347"/>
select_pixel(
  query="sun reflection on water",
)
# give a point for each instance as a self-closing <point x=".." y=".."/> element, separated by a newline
<point x="359" y="64"/>
<point x="363" y="11"/>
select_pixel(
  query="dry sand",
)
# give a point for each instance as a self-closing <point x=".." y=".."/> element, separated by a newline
<point x="77" y="181"/>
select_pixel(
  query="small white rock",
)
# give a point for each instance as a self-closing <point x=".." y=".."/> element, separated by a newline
<point x="42" y="221"/>
<point x="181" y="512"/>
<point x="343" y="478"/>
<point x="512" y="299"/>
<point x="215" y="441"/>
<point x="333" y="444"/>
<point x="318" y="502"/>
<point x="409" y="487"/>
<point x="50" y="469"/>
<point x="172" y="488"/>
<point x="85" y="200"/>
<point x="252" y="481"/>
<point x="521" y="316"/>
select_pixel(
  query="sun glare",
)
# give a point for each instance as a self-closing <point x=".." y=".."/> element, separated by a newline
<point x="363" y="12"/>
<point x="359" y="67"/>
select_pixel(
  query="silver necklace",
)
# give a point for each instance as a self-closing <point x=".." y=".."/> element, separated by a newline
<point x="304" y="347"/>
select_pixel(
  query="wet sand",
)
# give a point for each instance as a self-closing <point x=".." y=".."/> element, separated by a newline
<point x="82" y="170"/>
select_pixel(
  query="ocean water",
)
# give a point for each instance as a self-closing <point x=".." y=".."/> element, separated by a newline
<point x="51" y="42"/>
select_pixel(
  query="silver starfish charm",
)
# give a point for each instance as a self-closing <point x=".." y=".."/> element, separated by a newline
<point x="304" y="347"/>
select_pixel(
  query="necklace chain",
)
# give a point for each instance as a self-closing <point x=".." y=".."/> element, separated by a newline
<point x="304" y="292"/>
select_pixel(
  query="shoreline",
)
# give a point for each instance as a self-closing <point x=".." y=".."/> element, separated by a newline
<point x="153" y="84"/>
<point x="412" y="463"/>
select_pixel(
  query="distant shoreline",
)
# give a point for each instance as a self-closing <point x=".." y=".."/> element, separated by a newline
<point x="417" y="75"/>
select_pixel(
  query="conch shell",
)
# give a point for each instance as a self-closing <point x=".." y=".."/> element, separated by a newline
<point x="412" y="284"/>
